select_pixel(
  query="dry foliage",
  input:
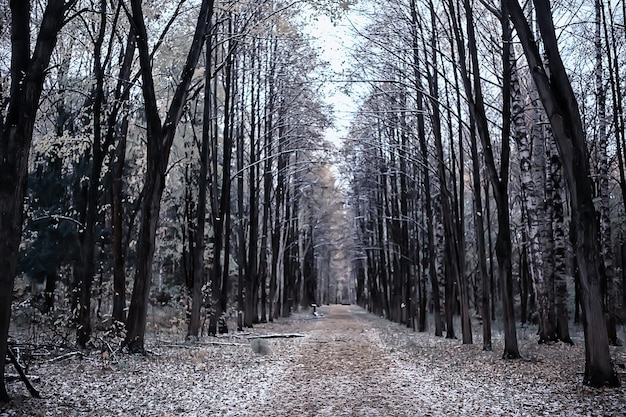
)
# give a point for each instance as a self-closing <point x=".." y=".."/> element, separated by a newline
<point x="349" y="363"/>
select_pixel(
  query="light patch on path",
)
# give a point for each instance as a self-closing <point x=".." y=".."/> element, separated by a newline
<point x="337" y="371"/>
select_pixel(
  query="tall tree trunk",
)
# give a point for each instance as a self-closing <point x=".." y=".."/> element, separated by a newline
<point x="203" y="182"/>
<point x="499" y="180"/>
<point x="27" y="78"/>
<point x="159" y="142"/>
<point x="540" y="231"/>
<point x="241" y="232"/>
<point x="117" y="161"/>
<point x="617" y="99"/>
<point x="421" y="131"/>
<point x="87" y="240"/>
<point x="606" y="244"/>
<point x="266" y="229"/>
<point x="117" y="225"/>
<point x="560" y="247"/>
<point x="562" y="109"/>
<point x="480" y="244"/>
<point x="279" y="221"/>
<point x="221" y="198"/>
<point x="450" y="247"/>
<point x="532" y="178"/>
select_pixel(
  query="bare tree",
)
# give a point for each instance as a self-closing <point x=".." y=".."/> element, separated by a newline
<point x="160" y="135"/>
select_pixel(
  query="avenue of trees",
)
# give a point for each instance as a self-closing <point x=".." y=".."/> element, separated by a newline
<point x="174" y="153"/>
<point x="160" y="153"/>
<point x="487" y="170"/>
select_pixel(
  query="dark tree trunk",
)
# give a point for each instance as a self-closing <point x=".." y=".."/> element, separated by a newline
<point x="618" y="123"/>
<point x="117" y="225"/>
<point x="159" y="141"/>
<point x="27" y="78"/>
<point x="266" y="229"/>
<point x="241" y="232"/>
<point x="221" y="198"/>
<point x="499" y="180"/>
<point x="273" y="226"/>
<point x="203" y="183"/>
<point x="455" y="276"/>
<point x="421" y="129"/>
<point x="480" y="245"/>
<point x="251" y="315"/>
<point x="560" y="249"/>
<point x="87" y="239"/>
<point x="49" y="290"/>
<point x="603" y="167"/>
<point x="117" y="169"/>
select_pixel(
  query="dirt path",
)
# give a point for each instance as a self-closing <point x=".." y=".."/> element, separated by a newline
<point x="338" y="370"/>
<point x="352" y="363"/>
<point x="349" y="363"/>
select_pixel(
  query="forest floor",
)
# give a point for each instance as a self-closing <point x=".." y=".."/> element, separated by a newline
<point x="344" y="363"/>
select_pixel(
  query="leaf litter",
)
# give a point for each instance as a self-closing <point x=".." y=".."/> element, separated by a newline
<point x="345" y="362"/>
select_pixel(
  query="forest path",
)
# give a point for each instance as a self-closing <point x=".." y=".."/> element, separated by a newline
<point x="340" y="369"/>
<point x="348" y="363"/>
<point x="352" y="363"/>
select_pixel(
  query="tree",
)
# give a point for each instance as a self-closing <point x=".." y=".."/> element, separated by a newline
<point x="561" y="106"/>
<point x="498" y="178"/>
<point x="606" y="243"/>
<point x="160" y="135"/>
<point x="118" y="158"/>
<point x="27" y="78"/>
<point x="421" y="131"/>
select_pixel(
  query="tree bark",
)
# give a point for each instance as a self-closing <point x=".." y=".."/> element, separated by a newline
<point x="203" y="182"/>
<point x="120" y="131"/>
<point x="426" y="175"/>
<point x="87" y="240"/>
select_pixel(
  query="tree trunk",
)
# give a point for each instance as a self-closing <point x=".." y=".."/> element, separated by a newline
<point x="480" y="245"/>
<point x="251" y="315"/>
<point x="87" y="240"/>
<point x="560" y="248"/>
<point x="606" y="244"/>
<point x="619" y="131"/>
<point x="159" y="141"/>
<point x="499" y="180"/>
<point x="27" y="78"/>
<point x="450" y="247"/>
<point x="117" y="168"/>
<point x="203" y="182"/>
<point x="278" y="230"/>
<point x="532" y="178"/>
<point x="241" y="232"/>
<point x="421" y="130"/>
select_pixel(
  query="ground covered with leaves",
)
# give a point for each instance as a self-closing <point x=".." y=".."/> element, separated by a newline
<point x="345" y="362"/>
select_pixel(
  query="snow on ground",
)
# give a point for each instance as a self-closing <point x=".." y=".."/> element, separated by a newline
<point x="349" y="363"/>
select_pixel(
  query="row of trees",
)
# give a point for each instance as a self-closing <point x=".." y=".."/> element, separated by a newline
<point x="182" y="139"/>
<point x="185" y="142"/>
<point x="470" y="143"/>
